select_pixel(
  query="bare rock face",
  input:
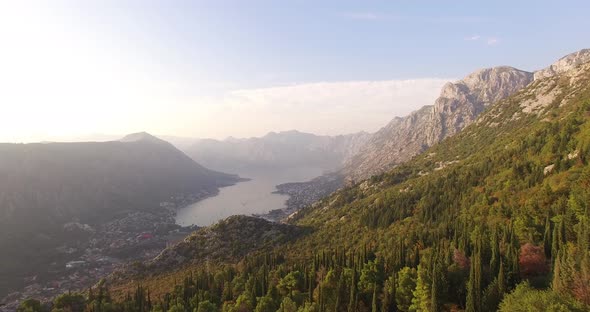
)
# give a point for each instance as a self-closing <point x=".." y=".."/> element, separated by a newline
<point x="461" y="102"/>
<point x="564" y="64"/>
<point x="458" y="106"/>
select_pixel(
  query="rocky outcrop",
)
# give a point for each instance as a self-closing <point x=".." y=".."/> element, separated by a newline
<point x="564" y="64"/>
<point x="458" y="105"/>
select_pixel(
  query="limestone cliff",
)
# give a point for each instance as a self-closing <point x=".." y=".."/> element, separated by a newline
<point x="458" y="105"/>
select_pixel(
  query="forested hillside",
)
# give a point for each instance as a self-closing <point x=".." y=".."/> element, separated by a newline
<point x="495" y="217"/>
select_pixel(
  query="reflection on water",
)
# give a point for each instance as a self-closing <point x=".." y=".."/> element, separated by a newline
<point x="246" y="198"/>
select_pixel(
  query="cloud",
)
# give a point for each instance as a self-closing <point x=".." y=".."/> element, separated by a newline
<point x="323" y="108"/>
<point x="472" y="38"/>
<point x="493" y="41"/>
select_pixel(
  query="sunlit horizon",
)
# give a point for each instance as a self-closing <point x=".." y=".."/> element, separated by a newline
<point x="73" y="69"/>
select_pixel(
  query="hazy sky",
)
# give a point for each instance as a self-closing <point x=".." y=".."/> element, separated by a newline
<point x="243" y="68"/>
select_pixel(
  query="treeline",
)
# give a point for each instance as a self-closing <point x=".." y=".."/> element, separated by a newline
<point x="498" y="274"/>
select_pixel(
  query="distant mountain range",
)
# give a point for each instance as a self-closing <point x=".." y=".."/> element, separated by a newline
<point x="288" y="149"/>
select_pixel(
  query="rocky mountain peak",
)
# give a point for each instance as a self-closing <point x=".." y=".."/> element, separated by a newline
<point x="462" y="101"/>
<point x="564" y="64"/>
<point x="458" y="105"/>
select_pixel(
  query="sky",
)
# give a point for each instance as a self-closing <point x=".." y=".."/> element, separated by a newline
<point x="213" y="69"/>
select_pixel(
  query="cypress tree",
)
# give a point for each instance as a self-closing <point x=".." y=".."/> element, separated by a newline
<point x="434" y="295"/>
<point x="555" y="244"/>
<point x="501" y="280"/>
<point x="475" y="280"/>
<point x="557" y="283"/>
<point x="547" y="242"/>
<point x="352" y="300"/>
<point x="471" y="298"/>
<point x="374" y="303"/>
<point x="495" y="259"/>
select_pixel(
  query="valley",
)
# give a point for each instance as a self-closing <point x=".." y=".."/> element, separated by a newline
<point x="294" y="156"/>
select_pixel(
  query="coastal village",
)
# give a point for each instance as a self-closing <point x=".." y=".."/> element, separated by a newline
<point x="95" y="252"/>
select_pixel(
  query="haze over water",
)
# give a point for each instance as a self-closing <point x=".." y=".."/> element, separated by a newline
<point x="245" y="198"/>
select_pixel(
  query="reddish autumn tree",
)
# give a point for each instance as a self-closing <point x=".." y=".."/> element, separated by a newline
<point x="460" y="259"/>
<point x="532" y="261"/>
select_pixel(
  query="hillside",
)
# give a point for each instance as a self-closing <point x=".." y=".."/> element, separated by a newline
<point x="228" y="241"/>
<point x="48" y="183"/>
<point x="458" y="227"/>
<point x="44" y="186"/>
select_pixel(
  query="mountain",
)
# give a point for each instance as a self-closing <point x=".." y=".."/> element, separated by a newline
<point x="286" y="149"/>
<point x="55" y="182"/>
<point x="564" y="64"/>
<point x="493" y="217"/>
<point x="458" y="105"/>
<point x="45" y="186"/>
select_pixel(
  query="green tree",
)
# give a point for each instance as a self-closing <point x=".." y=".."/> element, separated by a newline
<point x="475" y="278"/>
<point x="30" y="305"/>
<point x="422" y="292"/>
<point x="290" y="283"/>
<point x="178" y="307"/>
<point x="71" y="302"/>
<point x="388" y="302"/>
<point x="374" y="307"/>
<point x="406" y="283"/>
<point x="266" y="304"/>
<point x="207" y="306"/>
<point x="287" y="305"/>
<point x="244" y="302"/>
<point x="434" y="296"/>
<point x="501" y="280"/>
<point x="526" y="299"/>
<point x="308" y="307"/>
<point x="371" y="274"/>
